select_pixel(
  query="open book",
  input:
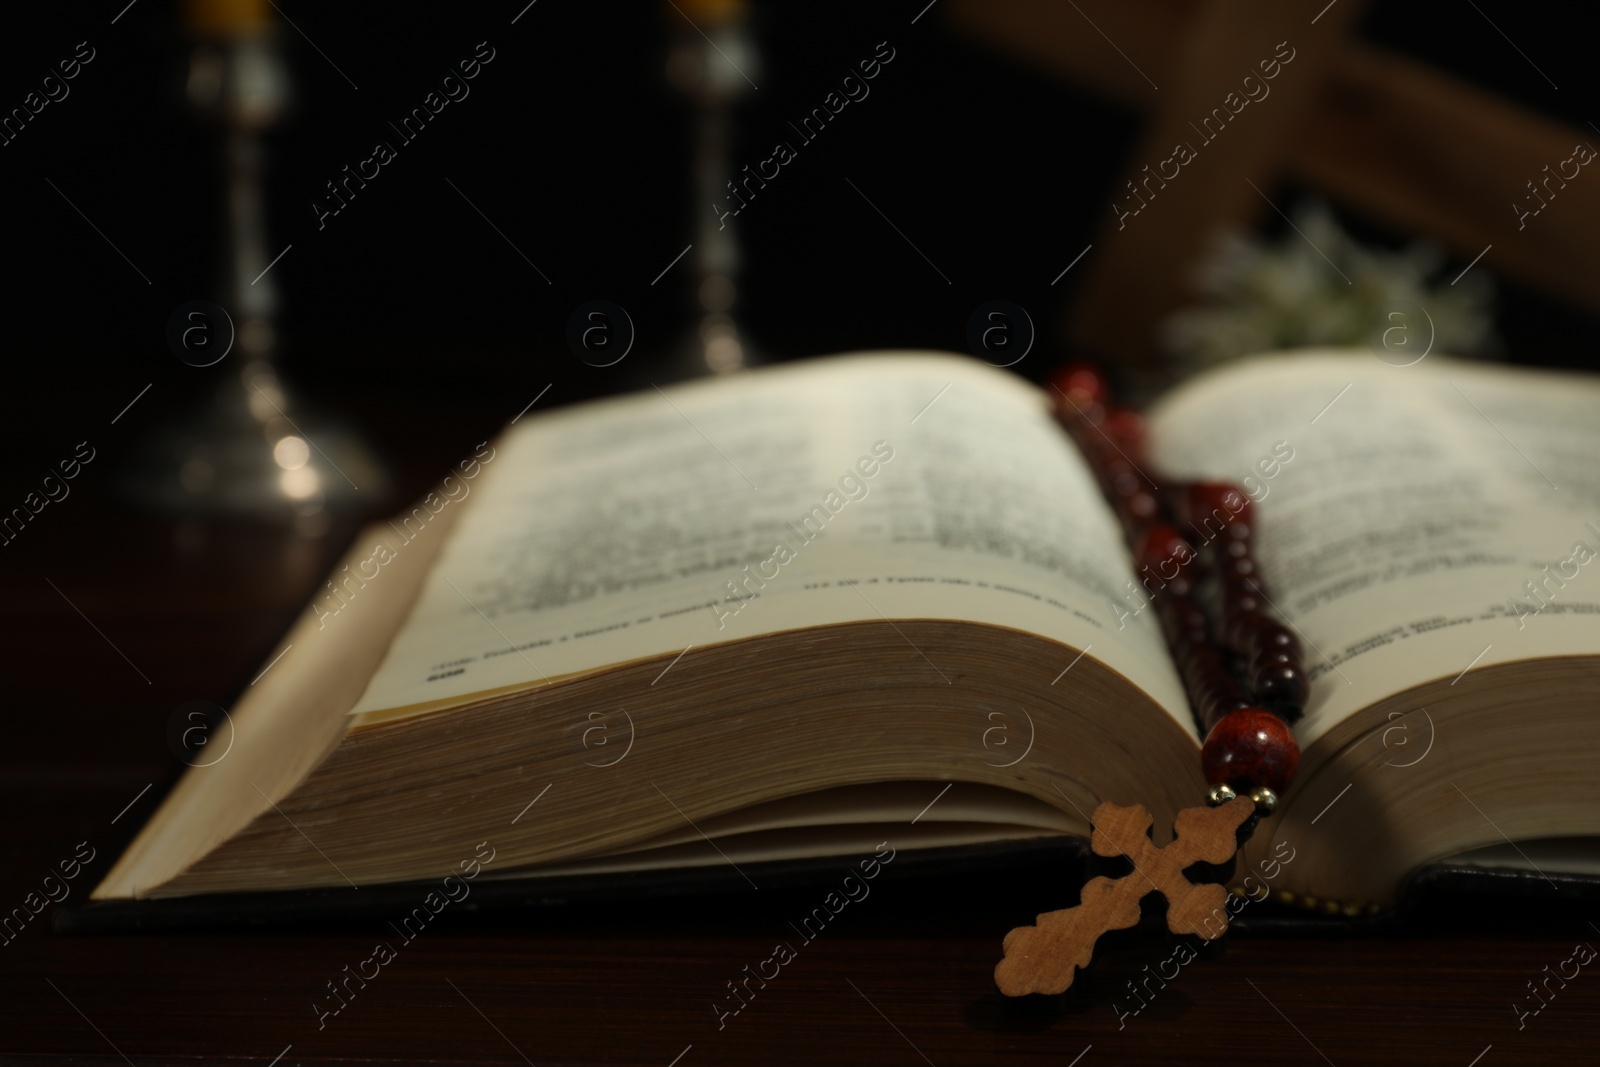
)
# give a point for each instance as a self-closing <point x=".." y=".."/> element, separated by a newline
<point x="879" y="598"/>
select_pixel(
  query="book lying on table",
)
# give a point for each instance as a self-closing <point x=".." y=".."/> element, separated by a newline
<point x="813" y="609"/>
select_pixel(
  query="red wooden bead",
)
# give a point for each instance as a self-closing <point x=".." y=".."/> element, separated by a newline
<point x="1212" y="506"/>
<point x="1239" y="603"/>
<point x="1251" y="747"/>
<point x="1082" y="383"/>
<point x="1164" y="551"/>
<point x="1080" y="419"/>
<point x="1239" y="631"/>
<point x="1126" y="427"/>
<point x="1269" y="658"/>
<point x="1138" y="508"/>
<point x="1270" y="634"/>
<point x="1091" y="417"/>
<point x="1184" y="614"/>
<point x="1122" y="478"/>
<point x="1143" y="504"/>
<point x="1203" y="665"/>
<point x="1173" y="496"/>
<point x="1281" y="686"/>
<point x="1241" y="569"/>
<point x="1235" y="584"/>
<point x="1218" y="703"/>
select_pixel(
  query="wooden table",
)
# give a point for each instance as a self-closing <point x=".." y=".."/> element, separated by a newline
<point x="903" y="977"/>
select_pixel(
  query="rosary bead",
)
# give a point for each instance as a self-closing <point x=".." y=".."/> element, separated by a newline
<point x="1283" y="688"/>
<point x="1244" y="627"/>
<point x="1243" y="672"/>
<point x="1236" y="590"/>
<point x="1238" y="634"/>
<point x="1124" y="489"/>
<point x="1102" y="448"/>
<point x="1235" y="584"/>
<point x="1119" y="477"/>
<point x="1124" y="479"/>
<point x="1126" y="429"/>
<point x="1206" y="673"/>
<point x="1251" y="747"/>
<point x="1083" y="384"/>
<point x="1138" y="508"/>
<point x="1202" y="666"/>
<point x="1179" y="612"/>
<point x="1237" y="604"/>
<point x="1242" y="568"/>
<point x="1217" y="503"/>
<point x="1081" y="418"/>
<point x="1163" y="550"/>
<point x="1174" y="497"/>
<point x="1217" y="706"/>
<point x="1187" y="652"/>
<point x="1267" y="659"/>
<point x="1273" y="635"/>
<point x="1173" y="605"/>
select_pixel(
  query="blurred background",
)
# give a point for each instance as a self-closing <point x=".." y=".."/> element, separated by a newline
<point x="997" y="164"/>
<point x="989" y="159"/>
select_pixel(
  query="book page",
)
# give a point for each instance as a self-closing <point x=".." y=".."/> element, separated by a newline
<point x="862" y="487"/>
<point x="1414" y="523"/>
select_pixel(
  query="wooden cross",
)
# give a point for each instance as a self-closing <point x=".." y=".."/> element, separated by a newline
<point x="1045" y="957"/>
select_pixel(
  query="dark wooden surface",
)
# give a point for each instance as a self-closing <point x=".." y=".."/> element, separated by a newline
<point x="901" y="977"/>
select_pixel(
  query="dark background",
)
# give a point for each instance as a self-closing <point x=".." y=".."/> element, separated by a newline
<point x="573" y="145"/>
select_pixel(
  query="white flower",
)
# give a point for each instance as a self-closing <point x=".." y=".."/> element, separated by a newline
<point x="1326" y="288"/>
